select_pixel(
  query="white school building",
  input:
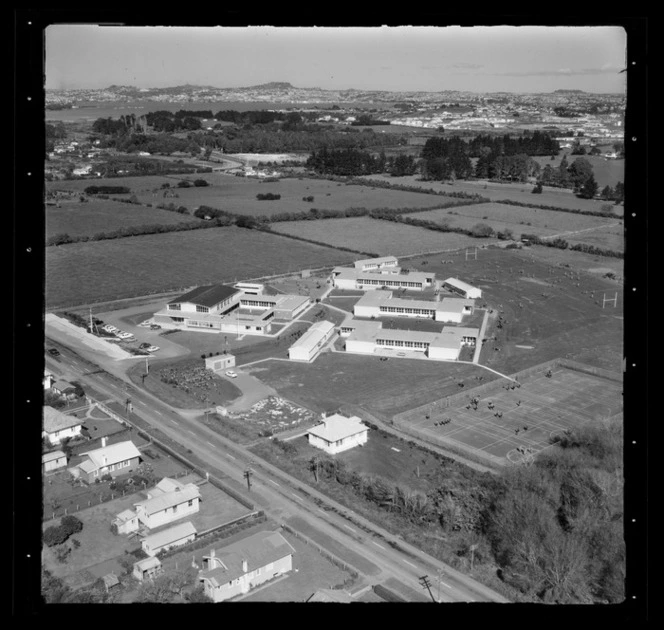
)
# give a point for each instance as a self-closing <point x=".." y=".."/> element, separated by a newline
<point x="308" y="346"/>
<point x="352" y="279"/>
<point x="462" y="288"/>
<point x="369" y="337"/>
<point x="383" y="304"/>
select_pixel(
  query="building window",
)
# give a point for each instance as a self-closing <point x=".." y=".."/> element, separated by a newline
<point x="191" y="503"/>
<point x="202" y="309"/>
<point x="174" y="307"/>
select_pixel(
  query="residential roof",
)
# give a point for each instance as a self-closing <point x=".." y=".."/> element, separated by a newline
<point x="459" y="284"/>
<point x="62" y="385"/>
<point x="209" y="295"/>
<point x="165" y="485"/>
<point x="338" y="427"/>
<point x="258" y="550"/>
<point x="315" y="333"/>
<point x="112" y="454"/>
<point x="49" y="457"/>
<point x="110" y="579"/>
<point x="166" y="500"/>
<point x="148" y="563"/>
<point x="170" y="535"/>
<point x="126" y="515"/>
<point x="55" y="420"/>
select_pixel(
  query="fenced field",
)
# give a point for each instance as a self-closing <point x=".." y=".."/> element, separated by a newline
<point x="375" y="236"/>
<point x="104" y="215"/>
<point x="574" y="228"/>
<point x="558" y="197"/>
<point x="80" y="273"/>
<point x="513" y="424"/>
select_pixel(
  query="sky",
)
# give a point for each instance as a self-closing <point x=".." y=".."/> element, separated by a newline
<point x="478" y="59"/>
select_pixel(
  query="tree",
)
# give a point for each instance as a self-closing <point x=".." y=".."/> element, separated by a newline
<point x="580" y="171"/>
<point x="198" y="596"/>
<point x="482" y="230"/>
<point x="589" y="188"/>
<point x="537" y="190"/>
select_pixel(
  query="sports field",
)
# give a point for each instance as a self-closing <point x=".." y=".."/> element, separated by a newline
<point x="532" y="414"/>
<point x="376" y="236"/>
<point x="82" y="273"/>
<point x="102" y="215"/>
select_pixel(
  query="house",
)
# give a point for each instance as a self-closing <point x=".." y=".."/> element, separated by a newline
<point x="167" y="502"/>
<point x="309" y="345"/>
<point x="338" y="433"/>
<point x="166" y="539"/>
<point x="49" y="379"/>
<point x="64" y="388"/>
<point x="58" y="426"/>
<point x="53" y="461"/>
<point x="147" y="568"/>
<point x="239" y="567"/>
<point x="126" y="522"/>
<point x="463" y="288"/>
<point x="117" y="459"/>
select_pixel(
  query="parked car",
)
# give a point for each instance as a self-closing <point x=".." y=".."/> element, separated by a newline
<point x="144" y="346"/>
<point x="155" y="327"/>
<point x="110" y="328"/>
<point x="152" y="348"/>
<point x="125" y="335"/>
<point x="231" y="374"/>
<point x="54" y="352"/>
<point x="146" y="324"/>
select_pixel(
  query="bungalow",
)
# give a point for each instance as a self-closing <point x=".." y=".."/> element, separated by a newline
<point x="241" y="566"/>
<point x="58" y="426"/>
<point x="175" y="536"/>
<point x="338" y="433"/>
<point x="169" y="501"/>
<point x="147" y="568"/>
<point x="64" y="388"/>
<point x="115" y="460"/>
<point x="53" y="461"/>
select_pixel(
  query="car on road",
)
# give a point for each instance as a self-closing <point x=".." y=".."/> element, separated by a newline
<point x="124" y="335"/>
<point x="155" y="327"/>
<point x="109" y="328"/>
<point x="54" y="352"/>
<point x="146" y="324"/>
<point x="144" y="346"/>
<point x="231" y="374"/>
<point x="152" y="348"/>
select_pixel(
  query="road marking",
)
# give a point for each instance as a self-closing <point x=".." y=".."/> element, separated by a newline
<point x="173" y="421"/>
<point x="295" y="495"/>
<point x="411" y="564"/>
<point x="157" y="411"/>
<point x="188" y="431"/>
<point x="377" y="545"/>
<point x="274" y="482"/>
<point x="323" y="511"/>
<point x="230" y="455"/>
<point x="210" y="443"/>
<point x="349" y="527"/>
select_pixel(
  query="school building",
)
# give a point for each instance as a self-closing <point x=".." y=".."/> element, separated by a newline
<point x="381" y="278"/>
<point x="383" y="304"/>
<point x="309" y="345"/>
<point x="462" y="288"/>
<point x="369" y="337"/>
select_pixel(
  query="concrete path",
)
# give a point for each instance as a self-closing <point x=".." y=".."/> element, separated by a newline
<point x="478" y="345"/>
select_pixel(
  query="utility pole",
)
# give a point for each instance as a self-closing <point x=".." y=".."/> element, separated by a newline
<point x="248" y="473"/>
<point x="424" y="581"/>
<point x="472" y="555"/>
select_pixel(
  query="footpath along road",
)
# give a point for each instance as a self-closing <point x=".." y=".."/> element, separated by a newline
<point x="284" y="497"/>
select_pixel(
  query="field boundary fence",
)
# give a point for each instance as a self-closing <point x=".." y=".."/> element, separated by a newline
<point x="321" y="550"/>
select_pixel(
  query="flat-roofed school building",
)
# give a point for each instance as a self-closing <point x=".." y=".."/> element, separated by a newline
<point x="309" y="345"/>
<point x="383" y="304"/>
<point x="353" y="279"/>
<point x="372" y="264"/>
<point x="462" y="288"/>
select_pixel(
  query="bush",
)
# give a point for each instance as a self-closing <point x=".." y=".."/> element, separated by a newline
<point x="184" y="184"/>
<point x="71" y="525"/>
<point x="267" y="197"/>
<point x="201" y="182"/>
<point x="54" y="535"/>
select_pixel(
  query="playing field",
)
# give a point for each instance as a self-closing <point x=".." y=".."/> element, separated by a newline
<point x="102" y="215"/>
<point x="531" y="415"/>
<point x="82" y="273"/>
<point x="376" y="236"/>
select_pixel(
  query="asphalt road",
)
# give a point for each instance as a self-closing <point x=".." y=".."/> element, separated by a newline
<point x="281" y="496"/>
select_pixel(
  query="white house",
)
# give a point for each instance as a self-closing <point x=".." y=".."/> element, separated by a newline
<point x="53" y="461"/>
<point x="237" y="568"/>
<point x="49" y="379"/>
<point x="166" y="539"/>
<point x="58" y="426"/>
<point x="463" y="288"/>
<point x="168" y="501"/>
<point x="126" y="522"/>
<point x="309" y="345"/>
<point x="118" y="459"/>
<point x="338" y="433"/>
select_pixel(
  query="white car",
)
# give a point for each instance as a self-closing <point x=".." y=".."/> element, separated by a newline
<point x="109" y="328"/>
<point x="146" y="323"/>
<point x="231" y="374"/>
<point x="152" y="348"/>
<point x="124" y="335"/>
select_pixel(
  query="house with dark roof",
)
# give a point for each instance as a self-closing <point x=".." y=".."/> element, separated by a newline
<point x="116" y="459"/>
<point x="237" y="568"/>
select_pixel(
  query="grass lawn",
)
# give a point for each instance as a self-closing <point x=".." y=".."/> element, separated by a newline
<point x="156" y="263"/>
<point x="375" y="236"/>
<point x="382" y="387"/>
<point x="102" y="215"/>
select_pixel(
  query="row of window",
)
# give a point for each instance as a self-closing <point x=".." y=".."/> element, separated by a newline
<point x="200" y="324"/>
<point x="413" y="311"/>
<point x="402" y="344"/>
<point x="257" y="303"/>
<point x="392" y="283"/>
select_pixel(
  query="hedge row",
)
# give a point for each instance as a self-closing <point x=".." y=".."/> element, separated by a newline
<point x="560" y="243"/>
<point x="555" y="208"/>
<point x="322" y="244"/>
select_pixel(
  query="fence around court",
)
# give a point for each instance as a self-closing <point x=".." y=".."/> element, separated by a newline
<point x="404" y="419"/>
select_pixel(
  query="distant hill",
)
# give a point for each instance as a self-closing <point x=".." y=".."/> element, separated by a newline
<point x="568" y="92"/>
<point x="274" y="85"/>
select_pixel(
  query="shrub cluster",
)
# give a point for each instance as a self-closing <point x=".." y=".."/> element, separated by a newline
<point x="56" y="535"/>
<point x="267" y="196"/>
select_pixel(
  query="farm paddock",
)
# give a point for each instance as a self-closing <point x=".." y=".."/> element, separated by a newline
<point x="513" y="424"/>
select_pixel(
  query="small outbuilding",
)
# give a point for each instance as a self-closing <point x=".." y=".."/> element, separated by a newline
<point x="168" y="538"/>
<point x="53" y="461"/>
<point x="147" y="568"/>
